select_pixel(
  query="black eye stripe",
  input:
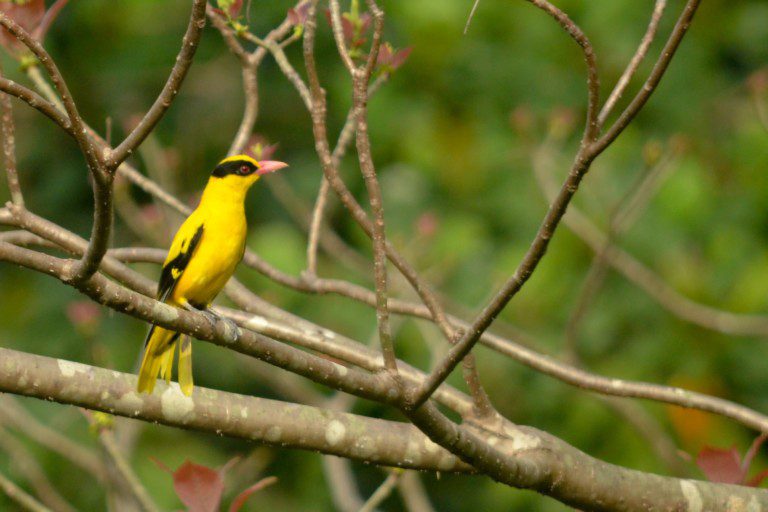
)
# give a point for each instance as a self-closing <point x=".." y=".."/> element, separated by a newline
<point x="237" y="167"/>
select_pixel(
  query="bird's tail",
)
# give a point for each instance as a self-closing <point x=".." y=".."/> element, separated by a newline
<point x="159" y="351"/>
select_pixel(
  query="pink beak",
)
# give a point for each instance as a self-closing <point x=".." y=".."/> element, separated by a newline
<point x="267" y="166"/>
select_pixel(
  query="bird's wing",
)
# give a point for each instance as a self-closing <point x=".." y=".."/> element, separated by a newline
<point x="182" y="249"/>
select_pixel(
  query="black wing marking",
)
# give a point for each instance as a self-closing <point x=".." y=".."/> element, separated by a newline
<point x="175" y="268"/>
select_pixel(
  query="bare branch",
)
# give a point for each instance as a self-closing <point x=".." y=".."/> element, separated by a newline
<point x="637" y="103"/>
<point x="651" y="283"/>
<point x="14" y="415"/>
<point x="256" y="419"/>
<point x="9" y="148"/>
<point x="382" y="492"/>
<point x="340" y="479"/>
<point x="338" y="36"/>
<point x="33" y="473"/>
<point x="50" y="16"/>
<point x="106" y="292"/>
<point x="413" y="493"/>
<point x="19" y="496"/>
<point x="107" y="438"/>
<point x="360" y="79"/>
<point x="36" y="101"/>
<point x="102" y="218"/>
<point x="472" y="11"/>
<point x="582" y="162"/>
<point x="189" y="45"/>
<point x="634" y="63"/>
<point x="229" y="36"/>
<point x="593" y="82"/>
<point x="624" y="215"/>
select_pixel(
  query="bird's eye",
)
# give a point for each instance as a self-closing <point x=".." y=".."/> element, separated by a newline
<point x="244" y="169"/>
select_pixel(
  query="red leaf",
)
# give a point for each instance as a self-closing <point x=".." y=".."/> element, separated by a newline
<point x="243" y="496"/>
<point x="400" y="57"/>
<point x="389" y="59"/>
<point x="259" y="148"/>
<point x="27" y="14"/>
<point x="347" y="28"/>
<point x="720" y="465"/>
<point x="199" y="487"/>
<point x="365" y="22"/>
<point x="234" y="8"/>
<point x="385" y="54"/>
<point x="298" y="15"/>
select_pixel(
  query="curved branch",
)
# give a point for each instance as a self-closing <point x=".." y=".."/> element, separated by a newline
<point x="593" y="82"/>
<point x="189" y="46"/>
<point x="37" y="102"/>
<point x="9" y="147"/>
<point x="581" y="164"/>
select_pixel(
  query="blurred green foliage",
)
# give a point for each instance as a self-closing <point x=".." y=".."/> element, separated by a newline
<point x="453" y="134"/>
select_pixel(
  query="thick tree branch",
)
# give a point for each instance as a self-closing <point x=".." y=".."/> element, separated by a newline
<point x="272" y="422"/>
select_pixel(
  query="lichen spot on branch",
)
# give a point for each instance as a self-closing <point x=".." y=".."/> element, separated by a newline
<point x="692" y="496"/>
<point x="69" y="369"/>
<point x="176" y="406"/>
<point x="165" y="312"/>
<point x="335" y="432"/>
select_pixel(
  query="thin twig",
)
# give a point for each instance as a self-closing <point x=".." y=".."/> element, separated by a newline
<point x="593" y="82"/>
<point x="338" y="36"/>
<point x="17" y="416"/>
<point x="471" y="16"/>
<point x="634" y="63"/>
<point x="652" y="82"/>
<point x="413" y="493"/>
<point x="582" y="162"/>
<point x="318" y="114"/>
<point x="382" y="492"/>
<point x="625" y="213"/>
<point x="9" y="147"/>
<point x="37" y="102"/>
<point x="33" y="473"/>
<point x="48" y="18"/>
<point x="360" y="79"/>
<point x="340" y="479"/>
<point x="189" y="44"/>
<point x="715" y="319"/>
<point x="107" y="438"/>
<point x="101" y="179"/>
<point x="18" y="495"/>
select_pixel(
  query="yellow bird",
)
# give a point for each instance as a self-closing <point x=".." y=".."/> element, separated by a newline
<point x="202" y="258"/>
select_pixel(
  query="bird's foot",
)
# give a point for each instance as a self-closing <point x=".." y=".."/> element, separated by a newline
<point x="213" y="318"/>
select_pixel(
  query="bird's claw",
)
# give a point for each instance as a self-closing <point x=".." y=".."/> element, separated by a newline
<point x="210" y="316"/>
<point x="213" y="318"/>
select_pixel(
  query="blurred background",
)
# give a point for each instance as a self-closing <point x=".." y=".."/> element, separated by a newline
<point x="458" y="133"/>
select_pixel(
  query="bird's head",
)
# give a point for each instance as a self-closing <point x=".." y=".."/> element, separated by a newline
<point x="242" y="170"/>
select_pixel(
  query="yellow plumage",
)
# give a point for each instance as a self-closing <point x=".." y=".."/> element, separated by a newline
<point x="203" y="256"/>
